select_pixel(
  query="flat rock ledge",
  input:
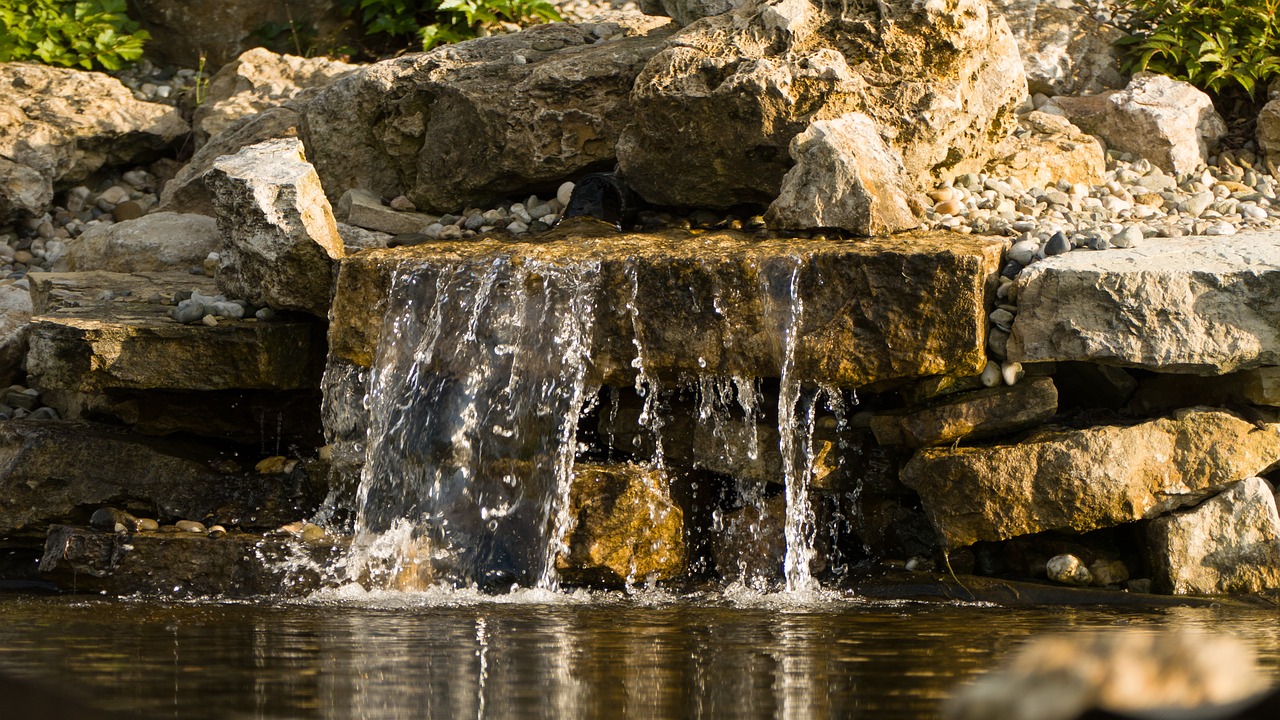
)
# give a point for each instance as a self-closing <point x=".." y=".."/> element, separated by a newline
<point x="723" y="303"/>
<point x="1082" y="480"/>
<point x="1202" y="305"/>
<point x="98" y="331"/>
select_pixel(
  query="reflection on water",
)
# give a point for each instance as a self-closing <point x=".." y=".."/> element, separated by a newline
<point x="459" y="655"/>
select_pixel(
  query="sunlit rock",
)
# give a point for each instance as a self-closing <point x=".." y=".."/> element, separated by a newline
<point x="1048" y="150"/>
<point x="973" y="415"/>
<point x="1081" y="480"/>
<point x="159" y="242"/>
<point x="626" y="527"/>
<point x="1065" y="50"/>
<point x="1230" y="543"/>
<point x="279" y="236"/>
<point x="714" y="112"/>
<point x="1204" y="305"/>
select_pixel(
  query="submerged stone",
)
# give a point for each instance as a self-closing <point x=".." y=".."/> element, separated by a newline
<point x="687" y="304"/>
<point x="626" y="527"/>
<point x="1204" y="305"/>
<point x="1081" y="480"/>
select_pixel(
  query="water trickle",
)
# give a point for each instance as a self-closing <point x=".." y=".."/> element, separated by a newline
<point x="474" y="401"/>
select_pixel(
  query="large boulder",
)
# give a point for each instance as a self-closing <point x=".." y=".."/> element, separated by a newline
<point x="626" y="528"/>
<point x="59" y="125"/>
<point x="279" y="237"/>
<point x="1065" y="50"/>
<point x="1228" y="544"/>
<point x="715" y="112"/>
<point x="467" y="123"/>
<point x="191" y="33"/>
<point x="1082" y="480"/>
<point x="159" y="242"/>
<point x="1046" y="149"/>
<point x="844" y="177"/>
<point x="1205" y="305"/>
<point x="1166" y="121"/>
<point x="257" y="80"/>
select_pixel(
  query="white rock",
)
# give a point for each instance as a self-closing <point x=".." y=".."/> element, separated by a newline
<point x="1011" y="372"/>
<point x="991" y="374"/>
<point x="564" y="193"/>
<point x="1024" y="251"/>
<point x="1068" y="569"/>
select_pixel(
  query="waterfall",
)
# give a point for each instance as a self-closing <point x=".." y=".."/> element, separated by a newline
<point x="474" y="400"/>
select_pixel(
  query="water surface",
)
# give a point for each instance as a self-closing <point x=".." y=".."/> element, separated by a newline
<point x="537" y="654"/>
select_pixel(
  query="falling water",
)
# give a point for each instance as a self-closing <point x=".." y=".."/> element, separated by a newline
<point x="474" y="402"/>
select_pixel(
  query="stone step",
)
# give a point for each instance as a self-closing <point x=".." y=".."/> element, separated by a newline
<point x="1203" y="305"/>
<point x="723" y="303"/>
<point x="97" y="331"/>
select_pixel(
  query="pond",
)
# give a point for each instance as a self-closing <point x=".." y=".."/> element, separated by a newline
<point x="452" y="654"/>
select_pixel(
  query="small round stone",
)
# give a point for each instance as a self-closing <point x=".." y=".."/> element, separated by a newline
<point x="1069" y="570"/>
<point x="1011" y="372"/>
<point x="1057" y="244"/>
<point x="564" y="193"/>
<point x="190" y="526"/>
<point x="949" y="207"/>
<point x="990" y="374"/>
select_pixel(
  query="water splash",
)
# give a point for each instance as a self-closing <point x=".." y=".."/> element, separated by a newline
<point x="474" y="401"/>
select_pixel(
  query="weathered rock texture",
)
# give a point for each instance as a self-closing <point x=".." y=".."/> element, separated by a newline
<point x="257" y="80"/>
<point x="59" y="471"/>
<point x="365" y="209"/>
<point x="1166" y="121"/>
<point x="1081" y="480"/>
<point x="182" y="564"/>
<point x="1269" y="131"/>
<point x="278" y="231"/>
<point x="715" y="112"/>
<point x="185" y="32"/>
<point x="187" y="191"/>
<point x="468" y="123"/>
<point x="1228" y="544"/>
<point x="1048" y="148"/>
<point x="159" y="242"/>
<point x="719" y="304"/>
<point x="626" y="527"/>
<point x="99" y="331"/>
<point x="15" y="317"/>
<point x="974" y="415"/>
<point x="59" y="125"/>
<point x="1206" y="305"/>
<point x="844" y="177"/>
<point x="1065" y="51"/>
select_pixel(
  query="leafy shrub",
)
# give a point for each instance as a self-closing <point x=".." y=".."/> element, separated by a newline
<point x="433" y="22"/>
<point x="1216" y="45"/>
<point x="56" y="32"/>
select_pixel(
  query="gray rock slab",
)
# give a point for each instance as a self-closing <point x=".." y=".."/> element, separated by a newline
<point x="1203" y="305"/>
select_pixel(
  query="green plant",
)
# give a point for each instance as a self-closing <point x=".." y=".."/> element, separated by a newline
<point x="433" y="22"/>
<point x="1216" y="45"/>
<point x="88" y="34"/>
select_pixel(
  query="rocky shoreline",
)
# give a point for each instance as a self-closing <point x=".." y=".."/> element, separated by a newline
<point x="1054" y="361"/>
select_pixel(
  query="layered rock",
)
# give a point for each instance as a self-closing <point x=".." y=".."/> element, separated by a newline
<point x="1230" y="543"/>
<point x="1166" y="121"/>
<point x="15" y="317"/>
<point x="1081" y="480"/>
<point x="972" y="416"/>
<point x="258" y="80"/>
<point x="716" y="110"/>
<point x="60" y="472"/>
<point x="436" y="127"/>
<point x="59" y="125"/>
<point x="844" y="177"/>
<point x="720" y="303"/>
<point x="1204" y="305"/>
<point x="101" y="331"/>
<point x="626" y="527"/>
<point x="279" y="234"/>
<point x="159" y="242"/>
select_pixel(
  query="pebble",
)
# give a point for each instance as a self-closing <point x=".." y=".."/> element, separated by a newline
<point x="1069" y="570"/>
<point x="564" y="193"/>
<point x="148" y="525"/>
<point x="1057" y="244"/>
<point x="109" y="518"/>
<point x="190" y="526"/>
<point x="990" y="375"/>
<point x="1129" y="237"/>
<point x="403" y="204"/>
<point x="1011" y="372"/>
<point x="217" y="531"/>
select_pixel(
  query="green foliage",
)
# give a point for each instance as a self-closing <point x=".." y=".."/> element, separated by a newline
<point x="1216" y="45"/>
<point x="433" y="22"/>
<point x="57" y="32"/>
